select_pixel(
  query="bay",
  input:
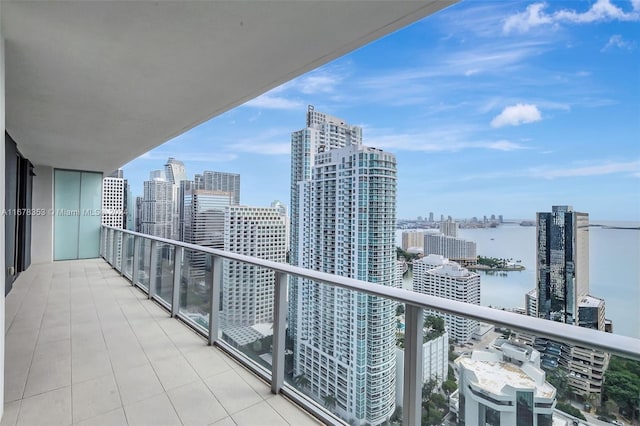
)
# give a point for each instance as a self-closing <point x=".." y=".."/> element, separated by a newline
<point x="614" y="269"/>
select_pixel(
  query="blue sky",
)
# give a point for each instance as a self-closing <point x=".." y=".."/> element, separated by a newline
<point x="490" y="107"/>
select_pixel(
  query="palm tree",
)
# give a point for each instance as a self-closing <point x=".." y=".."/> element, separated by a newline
<point x="329" y="401"/>
<point x="301" y="381"/>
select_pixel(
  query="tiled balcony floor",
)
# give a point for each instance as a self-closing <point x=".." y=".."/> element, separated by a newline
<point x="84" y="347"/>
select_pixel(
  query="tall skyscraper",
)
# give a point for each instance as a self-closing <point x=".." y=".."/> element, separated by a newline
<point x="114" y="199"/>
<point x="157" y="207"/>
<point x="562" y="294"/>
<point x="202" y="223"/>
<point x="175" y="173"/>
<point x="323" y="132"/>
<point x="247" y="297"/>
<point x="343" y="222"/>
<point x="220" y="181"/>
<point x="562" y="263"/>
<point x="436" y="276"/>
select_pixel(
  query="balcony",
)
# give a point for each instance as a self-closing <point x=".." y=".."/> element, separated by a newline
<point x="161" y="343"/>
<point x="85" y="347"/>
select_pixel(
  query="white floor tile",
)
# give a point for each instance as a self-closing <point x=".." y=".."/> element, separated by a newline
<point x="196" y="405"/>
<point x="156" y="411"/>
<point x="95" y="397"/>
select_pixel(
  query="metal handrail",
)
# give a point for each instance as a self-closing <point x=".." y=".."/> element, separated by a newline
<point x="627" y="347"/>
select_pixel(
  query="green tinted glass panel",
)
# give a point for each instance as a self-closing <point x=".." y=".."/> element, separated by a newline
<point x="77" y="220"/>
<point x="90" y="219"/>
<point x="66" y="219"/>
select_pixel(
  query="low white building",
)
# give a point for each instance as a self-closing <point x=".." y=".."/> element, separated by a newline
<point x="435" y="363"/>
<point x="504" y="386"/>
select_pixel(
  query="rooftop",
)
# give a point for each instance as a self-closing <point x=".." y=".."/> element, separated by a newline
<point x="590" y="302"/>
<point x="493" y="375"/>
<point x="85" y="347"/>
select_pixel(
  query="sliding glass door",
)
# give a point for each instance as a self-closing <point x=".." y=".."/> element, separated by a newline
<point x="77" y="215"/>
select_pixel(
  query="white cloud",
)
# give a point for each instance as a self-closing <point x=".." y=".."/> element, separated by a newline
<point x="619" y="42"/>
<point x="317" y="83"/>
<point x="601" y="10"/>
<point x="270" y="148"/>
<point x="443" y="140"/>
<point x="608" y="168"/>
<point x="269" y="101"/>
<point x="274" y="141"/>
<point x="503" y="146"/>
<point x="533" y="16"/>
<point x="516" y="115"/>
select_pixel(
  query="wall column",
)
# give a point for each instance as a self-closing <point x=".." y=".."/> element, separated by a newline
<point x="2" y="237"/>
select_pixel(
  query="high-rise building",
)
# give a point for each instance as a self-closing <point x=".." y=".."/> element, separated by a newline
<point x="343" y="222"/>
<point x="202" y="220"/>
<point x="563" y="295"/>
<point x="531" y="303"/>
<point x="138" y="215"/>
<point x="247" y="297"/>
<point x="157" y="207"/>
<point x="220" y="181"/>
<point x="282" y="209"/>
<point x="437" y="276"/>
<point x="562" y="263"/>
<point x="157" y="175"/>
<point x="449" y="228"/>
<point x="453" y="248"/>
<point x="412" y="239"/>
<point x="114" y="196"/>
<point x="323" y="132"/>
<point x="174" y="172"/>
<point x="591" y="313"/>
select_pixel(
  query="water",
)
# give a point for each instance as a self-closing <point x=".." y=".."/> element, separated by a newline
<point x="614" y="269"/>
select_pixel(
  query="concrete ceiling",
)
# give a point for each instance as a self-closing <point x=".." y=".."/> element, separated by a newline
<point x="94" y="84"/>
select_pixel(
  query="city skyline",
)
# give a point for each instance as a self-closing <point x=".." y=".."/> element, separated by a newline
<point x="482" y="102"/>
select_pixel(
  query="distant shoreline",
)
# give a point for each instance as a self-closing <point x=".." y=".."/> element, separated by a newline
<point x="632" y="228"/>
<point x="501" y="268"/>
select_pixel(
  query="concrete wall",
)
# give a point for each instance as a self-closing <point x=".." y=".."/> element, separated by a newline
<point x="42" y="226"/>
<point x="2" y="265"/>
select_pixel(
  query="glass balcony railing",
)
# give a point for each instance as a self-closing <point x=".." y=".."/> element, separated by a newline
<point x="422" y="353"/>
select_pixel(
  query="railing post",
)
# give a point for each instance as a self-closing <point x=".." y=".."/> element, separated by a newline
<point x="178" y="254"/>
<point x="102" y="239"/>
<point x="153" y="269"/>
<point x="279" y="331"/>
<point x="216" y="285"/>
<point x="135" y="267"/>
<point x="112" y="247"/>
<point x="107" y="246"/>
<point x="123" y="253"/>
<point x="412" y="398"/>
